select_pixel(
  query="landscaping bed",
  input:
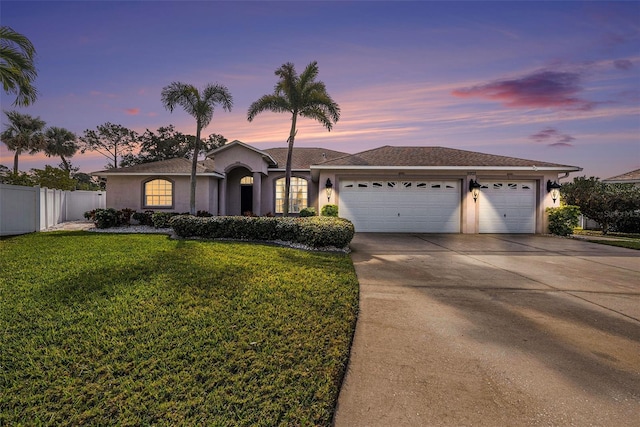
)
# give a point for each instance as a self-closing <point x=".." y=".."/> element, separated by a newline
<point x="141" y="329"/>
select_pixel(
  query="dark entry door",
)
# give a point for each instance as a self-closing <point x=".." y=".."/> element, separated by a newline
<point x="246" y="199"/>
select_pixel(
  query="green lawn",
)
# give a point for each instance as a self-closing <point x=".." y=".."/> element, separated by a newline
<point x="623" y="240"/>
<point x="629" y="244"/>
<point x="107" y="329"/>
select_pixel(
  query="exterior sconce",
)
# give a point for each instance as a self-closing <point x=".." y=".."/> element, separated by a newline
<point x="554" y="189"/>
<point x="474" y="189"/>
<point x="328" y="186"/>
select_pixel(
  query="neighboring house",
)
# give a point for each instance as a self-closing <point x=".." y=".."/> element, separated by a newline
<point x="387" y="189"/>
<point x="632" y="177"/>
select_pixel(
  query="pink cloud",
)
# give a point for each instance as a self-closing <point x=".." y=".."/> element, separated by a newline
<point x="543" y="89"/>
<point x="132" y="111"/>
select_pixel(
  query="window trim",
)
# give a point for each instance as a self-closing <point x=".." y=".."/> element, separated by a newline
<point x="144" y="193"/>
<point x="275" y="194"/>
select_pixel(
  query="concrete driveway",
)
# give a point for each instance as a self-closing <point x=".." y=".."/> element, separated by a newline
<point x="493" y="330"/>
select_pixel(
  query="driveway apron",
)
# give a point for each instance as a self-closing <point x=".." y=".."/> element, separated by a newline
<point x="490" y="330"/>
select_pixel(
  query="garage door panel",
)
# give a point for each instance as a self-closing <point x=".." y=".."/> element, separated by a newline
<point x="402" y="206"/>
<point x="507" y="207"/>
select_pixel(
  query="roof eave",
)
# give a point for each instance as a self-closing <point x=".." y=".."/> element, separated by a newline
<point x="465" y="168"/>
<point x="214" y="174"/>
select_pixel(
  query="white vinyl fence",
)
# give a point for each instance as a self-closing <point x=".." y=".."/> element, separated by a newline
<point x="29" y="209"/>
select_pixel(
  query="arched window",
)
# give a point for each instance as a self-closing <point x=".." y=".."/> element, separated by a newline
<point x="158" y="193"/>
<point x="297" y="194"/>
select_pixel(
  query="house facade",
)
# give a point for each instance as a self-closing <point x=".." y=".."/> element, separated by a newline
<point x="387" y="189"/>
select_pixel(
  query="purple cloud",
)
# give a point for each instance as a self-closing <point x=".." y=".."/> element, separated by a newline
<point x="553" y="138"/>
<point x="543" y="89"/>
<point x="623" y="64"/>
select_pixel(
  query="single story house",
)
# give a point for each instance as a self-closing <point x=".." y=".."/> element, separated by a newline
<point x="386" y="189"/>
<point x="632" y="177"/>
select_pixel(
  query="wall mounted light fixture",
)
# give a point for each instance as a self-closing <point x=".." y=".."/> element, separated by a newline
<point x="328" y="186"/>
<point x="554" y="189"/>
<point x="474" y="189"/>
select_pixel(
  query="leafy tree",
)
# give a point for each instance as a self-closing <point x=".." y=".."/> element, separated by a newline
<point x="61" y="142"/>
<point x="605" y="203"/>
<point x="84" y="181"/>
<point x="199" y="105"/>
<point x="51" y="177"/>
<point x="23" y="133"/>
<point x="299" y="95"/>
<point x="17" y="69"/>
<point x="20" y="178"/>
<point x="110" y="140"/>
<point x="167" y="144"/>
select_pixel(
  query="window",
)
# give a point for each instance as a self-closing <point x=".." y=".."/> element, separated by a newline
<point x="247" y="180"/>
<point x="158" y="193"/>
<point x="297" y="195"/>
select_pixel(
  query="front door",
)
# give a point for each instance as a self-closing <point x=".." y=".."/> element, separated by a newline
<point x="246" y="199"/>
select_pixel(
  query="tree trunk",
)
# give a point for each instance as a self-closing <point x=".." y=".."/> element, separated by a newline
<point x="66" y="164"/>
<point x="15" y="162"/>
<point x="287" y="173"/>
<point x="194" y="165"/>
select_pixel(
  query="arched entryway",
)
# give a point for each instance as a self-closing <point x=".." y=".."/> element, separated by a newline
<point x="243" y="193"/>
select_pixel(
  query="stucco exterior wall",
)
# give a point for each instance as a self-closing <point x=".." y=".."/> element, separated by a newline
<point x="239" y="156"/>
<point x="127" y="192"/>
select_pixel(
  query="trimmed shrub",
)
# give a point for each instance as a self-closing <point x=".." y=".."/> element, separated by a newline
<point x="143" y="218"/>
<point x="310" y="211"/>
<point x="106" y="218"/>
<point x="162" y="219"/>
<point x="329" y="210"/>
<point x="125" y="216"/>
<point x="203" y="214"/>
<point x="563" y="220"/>
<point x="316" y="231"/>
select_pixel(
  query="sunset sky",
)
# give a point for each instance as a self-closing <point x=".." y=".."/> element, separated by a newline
<point x="549" y="81"/>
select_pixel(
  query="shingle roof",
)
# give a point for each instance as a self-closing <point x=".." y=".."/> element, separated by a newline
<point x="177" y="166"/>
<point x="630" y="177"/>
<point x="433" y="156"/>
<point x="303" y="157"/>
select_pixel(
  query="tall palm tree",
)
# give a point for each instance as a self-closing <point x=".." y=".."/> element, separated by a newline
<point x="199" y="105"/>
<point x="17" y="70"/>
<point x="61" y="142"/>
<point x="300" y="96"/>
<point x="23" y="133"/>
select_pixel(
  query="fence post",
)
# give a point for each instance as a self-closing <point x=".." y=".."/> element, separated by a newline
<point x="37" y="194"/>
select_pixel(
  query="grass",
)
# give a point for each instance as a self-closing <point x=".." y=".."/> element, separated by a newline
<point x="630" y="244"/>
<point x="107" y="329"/>
<point x="623" y="240"/>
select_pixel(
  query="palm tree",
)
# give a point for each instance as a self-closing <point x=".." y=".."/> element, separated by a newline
<point x="300" y="96"/>
<point x="61" y="142"/>
<point x="17" y="70"/>
<point x="199" y="105"/>
<point x="24" y="133"/>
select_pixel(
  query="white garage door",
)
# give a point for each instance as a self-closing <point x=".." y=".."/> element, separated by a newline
<point x="507" y="207"/>
<point x="401" y="206"/>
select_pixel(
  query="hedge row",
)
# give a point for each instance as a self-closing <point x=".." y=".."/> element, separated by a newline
<point x="312" y="231"/>
<point x="107" y="218"/>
